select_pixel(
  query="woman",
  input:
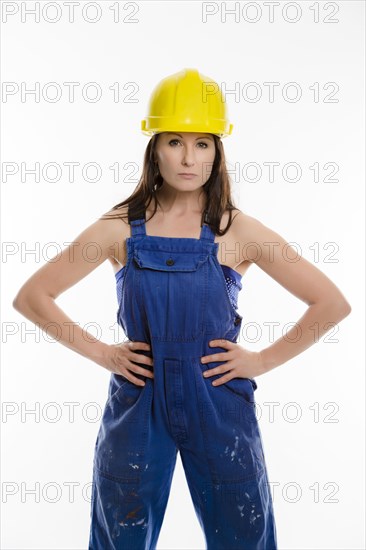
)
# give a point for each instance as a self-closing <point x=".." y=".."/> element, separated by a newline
<point x="181" y="382"/>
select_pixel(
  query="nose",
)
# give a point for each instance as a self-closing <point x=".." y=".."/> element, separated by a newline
<point x="188" y="158"/>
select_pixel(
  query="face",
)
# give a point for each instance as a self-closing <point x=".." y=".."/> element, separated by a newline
<point x="182" y="153"/>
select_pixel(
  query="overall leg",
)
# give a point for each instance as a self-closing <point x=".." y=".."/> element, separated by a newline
<point x="127" y="514"/>
<point x="225" y="467"/>
<point x="233" y="516"/>
<point x="133" y="467"/>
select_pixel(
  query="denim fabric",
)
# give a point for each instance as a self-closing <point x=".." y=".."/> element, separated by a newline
<point x="174" y="296"/>
<point x="232" y="279"/>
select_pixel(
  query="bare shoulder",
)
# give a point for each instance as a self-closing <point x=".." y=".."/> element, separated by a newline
<point x="253" y="235"/>
<point x="275" y="255"/>
<point x="235" y="239"/>
<point x="243" y="221"/>
<point x="244" y="229"/>
<point x="116" y="218"/>
<point x="115" y="229"/>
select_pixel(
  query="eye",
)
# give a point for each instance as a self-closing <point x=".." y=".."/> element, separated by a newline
<point x="199" y="143"/>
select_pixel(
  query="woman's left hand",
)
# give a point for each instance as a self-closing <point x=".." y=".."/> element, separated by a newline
<point x="240" y="362"/>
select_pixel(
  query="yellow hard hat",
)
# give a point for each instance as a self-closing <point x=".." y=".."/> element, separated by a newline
<point x="187" y="101"/>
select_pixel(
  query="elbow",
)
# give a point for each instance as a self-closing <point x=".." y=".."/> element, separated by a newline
<point x="28" y="301"/>
<point x="338" y="304"/>
<point x="24" y="297"/>
<point x="341" y="309"/>
<point x="21" y="301"/>
<point x="343" y="306"/>
<point x="18" y="303"/>
<point x="346" y="309"/>
<point x="336" y="307"/>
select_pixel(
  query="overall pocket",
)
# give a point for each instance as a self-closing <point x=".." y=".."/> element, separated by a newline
<point x="173" y="288"/>
<point x="241" y="389"/>
<point x="122" y="437"/>
<point x="167" y="260"/>
<point x="116" y="384"/>
<point x="230" y="428"/>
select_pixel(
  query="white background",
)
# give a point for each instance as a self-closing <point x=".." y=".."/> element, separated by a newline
<point x="322" y="216"/>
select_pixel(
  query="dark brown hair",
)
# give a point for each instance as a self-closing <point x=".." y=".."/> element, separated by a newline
<point x="217" y="189"/>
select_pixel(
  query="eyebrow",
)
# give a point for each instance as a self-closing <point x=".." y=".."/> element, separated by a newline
<point x="175" y="134"/>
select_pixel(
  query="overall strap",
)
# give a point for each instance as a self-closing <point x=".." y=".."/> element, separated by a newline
<point x="206" y="232"/>
<point x="137" y="222"/>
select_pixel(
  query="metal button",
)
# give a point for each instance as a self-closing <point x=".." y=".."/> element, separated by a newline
<point x="170" y="262"/>
<point x="237" y="321"/>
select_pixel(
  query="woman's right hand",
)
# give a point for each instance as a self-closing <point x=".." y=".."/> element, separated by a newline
<point x="118" y="359"/>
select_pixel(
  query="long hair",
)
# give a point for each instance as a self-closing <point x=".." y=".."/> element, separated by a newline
<point x="217" y="189"/>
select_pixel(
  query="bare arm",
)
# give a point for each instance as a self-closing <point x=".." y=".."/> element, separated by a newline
<point x="36" y="298"/>
<point x="327" y="305"/>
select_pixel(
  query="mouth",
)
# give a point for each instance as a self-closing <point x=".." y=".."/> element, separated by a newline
<point x="186" y="174"/>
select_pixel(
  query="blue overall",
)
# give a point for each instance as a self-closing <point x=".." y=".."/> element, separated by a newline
<point x="174" y="296"/>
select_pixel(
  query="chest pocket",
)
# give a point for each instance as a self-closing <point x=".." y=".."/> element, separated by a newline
<point x="169" y="261"/>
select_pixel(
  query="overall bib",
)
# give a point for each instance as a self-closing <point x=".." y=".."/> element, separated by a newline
<point x="174" y="296"/>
